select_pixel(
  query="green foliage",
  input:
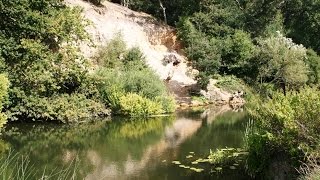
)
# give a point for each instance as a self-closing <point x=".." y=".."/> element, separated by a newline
<point x="174" y="8"/>
<point x="259" y="15"/>
<point x="168" y="103"/>
<point x="313" y="61"/>
<point x="135" y="105"/>
<point x="288" y="124"/>
<point x="238" y="51"/>
<point x="4" y="85"/>
<point x="109" y="55"/>
<point x="225" y="156"/>
<point x="62" y="107"/>
<point x="282" y="62"/>
<point x="127" y="85"/>
<point x="46" y="72"/>
<point x="303" y="22"/>
<point x="231" y="84"/>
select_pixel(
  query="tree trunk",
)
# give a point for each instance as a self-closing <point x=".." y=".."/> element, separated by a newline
<point x="283" y="86"/>
<point x="164" y="11"/>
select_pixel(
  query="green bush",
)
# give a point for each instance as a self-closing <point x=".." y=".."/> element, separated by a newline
<point x="111" y="88"/>
<point x="128" y="86"/>
<point x="145" y="83"/>
<point x="134" y="105"/>
<point x="313" y="61"/>
<point x="168" y="103"/>
<point x="46" y="72"/>
<point x="4" y="85"/>
<point x="289" y="124"/>
<point x="62" y="107"/>
<point x="109" y="56"/>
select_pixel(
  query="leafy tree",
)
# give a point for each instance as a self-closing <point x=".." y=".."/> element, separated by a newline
<point x="166" y="10"/>
<point x="37" y="51"/>
<point x="303" y="23"/>
<point x="238" y="52"/>
<point x="313" y="61"/>
<point x="282" y="62"/>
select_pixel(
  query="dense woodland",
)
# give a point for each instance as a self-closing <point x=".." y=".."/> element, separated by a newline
<point x="272" y="45"/>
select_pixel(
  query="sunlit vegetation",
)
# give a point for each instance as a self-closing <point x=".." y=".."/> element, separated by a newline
<point x="272" y="45"/>
<point x="128" y="86"/>
<point x="288" y="125"/>
<point x="45" y="69"/>
<point x="4" y="85"/>
<point x="219" y="160"/>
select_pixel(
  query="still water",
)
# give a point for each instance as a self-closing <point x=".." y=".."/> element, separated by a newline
<point x="124" y="148"/>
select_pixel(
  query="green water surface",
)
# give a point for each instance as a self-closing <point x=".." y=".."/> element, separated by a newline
<point x="124" y="148"/>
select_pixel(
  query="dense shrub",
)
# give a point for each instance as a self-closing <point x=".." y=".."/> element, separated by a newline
<point x="110" y="55"/>
<point x="288" y="124"/>
<point x="313" y="61"/>
<point x="282" y="62"/>
<point x="62" y="107"/>
<point x="4" y="85"/>
<point x="46" y="72"/>
<point x="127" y="85"/>
<point x="135" y="105"/>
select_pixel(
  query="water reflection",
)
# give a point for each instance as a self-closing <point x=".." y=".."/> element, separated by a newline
<point x="128" y="149"/>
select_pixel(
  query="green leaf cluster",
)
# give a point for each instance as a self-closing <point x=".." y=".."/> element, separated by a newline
<point x="285" y="124"/>
<point x="4" y="86"/>
<point x="127" y="85"/>
<point x="39" y="54"/>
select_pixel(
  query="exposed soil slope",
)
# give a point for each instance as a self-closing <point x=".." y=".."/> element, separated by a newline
<point x="155" y="39"/>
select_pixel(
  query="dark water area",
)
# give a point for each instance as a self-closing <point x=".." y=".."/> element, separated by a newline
<point x="124" y="148"/>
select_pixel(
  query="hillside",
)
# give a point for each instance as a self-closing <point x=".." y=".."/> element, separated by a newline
<point x="138" y="29"/>
<point x="158" y="42"/>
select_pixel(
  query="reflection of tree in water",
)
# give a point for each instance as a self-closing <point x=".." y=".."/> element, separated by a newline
<point x="118" y="149"/>
<point x="55" y="146"/>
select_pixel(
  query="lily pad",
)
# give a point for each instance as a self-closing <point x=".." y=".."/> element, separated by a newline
<point x="183" y="166"/>
<point x="176" y="162"/>
<point x="196" y="169"/>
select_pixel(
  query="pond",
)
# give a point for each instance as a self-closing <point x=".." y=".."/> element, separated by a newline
<point x="124" y="148"/>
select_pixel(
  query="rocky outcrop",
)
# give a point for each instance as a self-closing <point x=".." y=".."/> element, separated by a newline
<point x="216" y="95"/>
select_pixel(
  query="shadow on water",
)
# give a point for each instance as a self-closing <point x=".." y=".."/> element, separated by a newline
<point x="131" y="148"/>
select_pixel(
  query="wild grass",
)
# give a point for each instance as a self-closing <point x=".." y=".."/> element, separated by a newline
<point x="310" y="170"/>
<point x="15" y="166"/>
